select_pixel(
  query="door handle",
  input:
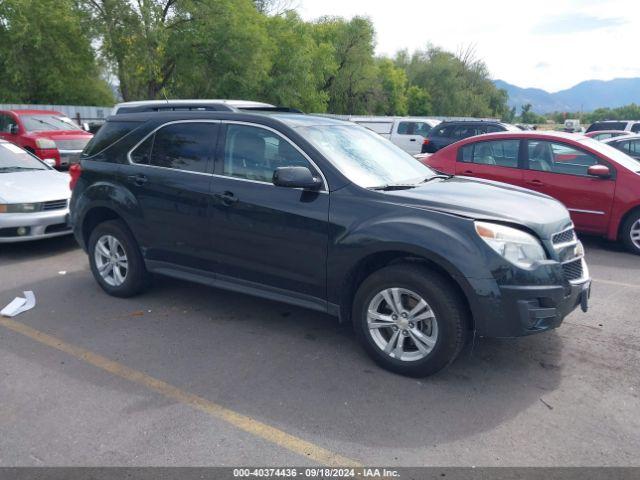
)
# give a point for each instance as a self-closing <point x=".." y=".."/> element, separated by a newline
<point x="468" y="172"/>
<point x="412" y="139"/>
<point x="139" y="179"/>
<point x="227" y="198"/>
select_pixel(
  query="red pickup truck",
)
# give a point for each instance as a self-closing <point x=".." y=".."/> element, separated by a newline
<point x="50" y="135"/>
<point x="599" y="185"/>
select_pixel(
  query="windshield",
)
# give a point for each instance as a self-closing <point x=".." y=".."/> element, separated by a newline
<point x="364" y="157"/>
<point x="14" y="159"/>
<point x="613" y="153"/>
<point x="44" y="122"/>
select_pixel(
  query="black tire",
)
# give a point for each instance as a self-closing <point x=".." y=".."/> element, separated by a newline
<point x="628" y="225"/>
<point x="446" y="303"/>
<point x="137" y="277"/>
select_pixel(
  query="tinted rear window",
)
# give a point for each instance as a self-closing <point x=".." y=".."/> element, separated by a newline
<point x="596" y="127"/>
<point x="108" y="134"/>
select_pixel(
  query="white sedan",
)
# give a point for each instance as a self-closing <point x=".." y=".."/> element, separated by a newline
<point x="34" y="198"/>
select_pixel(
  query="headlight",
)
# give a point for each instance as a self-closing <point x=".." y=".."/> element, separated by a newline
<point x="517" y="246"/>
<point x="20" y="207"/>
<point x="45" y="143"/>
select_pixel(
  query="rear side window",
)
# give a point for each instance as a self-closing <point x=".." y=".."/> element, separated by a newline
<point x="635" y="128"/>
<point x="108" y="134"/>
<point x="501" y="153"/>
<point x="182" y="146"/>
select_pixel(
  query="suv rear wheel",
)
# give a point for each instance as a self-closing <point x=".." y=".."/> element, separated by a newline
<point x="115" y="259"/>
<point x="631" y="233"/>
<point x="410" y="320"/>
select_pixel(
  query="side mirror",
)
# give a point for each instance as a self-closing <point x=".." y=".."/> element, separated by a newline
<point x="15" y="130"/>
<point x="86" y="127"/>
<point x="600" y="171"/>
<point x="296" y="177"/>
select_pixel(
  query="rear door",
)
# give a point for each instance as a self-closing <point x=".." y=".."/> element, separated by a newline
<point x="497" y="160"/>
<point x="560" y="170"/>
<point x="170" y="174"/>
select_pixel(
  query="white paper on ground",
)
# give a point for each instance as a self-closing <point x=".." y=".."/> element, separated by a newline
<point x="19" y="305"/>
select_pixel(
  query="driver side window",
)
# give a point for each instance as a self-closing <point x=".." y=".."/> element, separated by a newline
<point x="556" y="157"/>
<point x="254" y="153"/>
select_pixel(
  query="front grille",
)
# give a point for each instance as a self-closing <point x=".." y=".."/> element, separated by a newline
<point x="572" y="270"/>
<point x="55" y="205"/>
<point x="72" y="144"/>
<point x="564" y="237"/>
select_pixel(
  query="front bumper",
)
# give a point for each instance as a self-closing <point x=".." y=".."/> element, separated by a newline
<point x="37" y="225"/>
<point x="69" y="157"/>
<point x="518" y="310"/>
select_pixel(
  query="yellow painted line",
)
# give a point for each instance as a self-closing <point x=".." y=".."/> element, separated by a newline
<point x="238" y="420"/>
<point x="617" y="284"/>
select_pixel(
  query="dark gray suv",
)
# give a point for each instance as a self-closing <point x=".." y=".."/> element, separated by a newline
<point x="329" y="216"/>
<point x="447" y="133"/>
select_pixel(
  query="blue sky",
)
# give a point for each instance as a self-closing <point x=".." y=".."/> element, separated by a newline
<point x="549" y="44"/>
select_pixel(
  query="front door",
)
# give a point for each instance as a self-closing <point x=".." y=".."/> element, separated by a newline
<point x="409" y="135"/>
<point x="560" y="170"/>
<point x="268" y="237"/>
<point x="170" y="176"/>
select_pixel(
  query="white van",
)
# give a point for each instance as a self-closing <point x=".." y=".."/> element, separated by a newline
<point x="406" y="132"/>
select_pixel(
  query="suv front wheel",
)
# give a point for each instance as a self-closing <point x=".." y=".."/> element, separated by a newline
<point x="410" y="320"/>
<point x="115" y="259"/>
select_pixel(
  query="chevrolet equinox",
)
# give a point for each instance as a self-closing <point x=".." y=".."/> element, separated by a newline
<point x="326" y="215"/>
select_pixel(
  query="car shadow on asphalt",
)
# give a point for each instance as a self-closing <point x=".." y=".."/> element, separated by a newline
<point x="12" y="253"/>
<point x="299" y="370"/>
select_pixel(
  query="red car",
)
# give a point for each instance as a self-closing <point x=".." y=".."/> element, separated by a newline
<point x="50" y="135"/>
<point x="599" y="185"/>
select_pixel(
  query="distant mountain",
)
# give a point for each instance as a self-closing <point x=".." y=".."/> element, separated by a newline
<point x="585" y="96"/>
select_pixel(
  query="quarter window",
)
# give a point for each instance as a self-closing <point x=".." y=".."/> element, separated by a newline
<point x="254" y="153"/>
<point x="182" y="146"/>
<point x="635" y="128"/>
<point x="501" y="153"/>
<point x="559" y="158"/>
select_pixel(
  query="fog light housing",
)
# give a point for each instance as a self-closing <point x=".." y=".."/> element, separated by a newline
<point x="22" y="231"/>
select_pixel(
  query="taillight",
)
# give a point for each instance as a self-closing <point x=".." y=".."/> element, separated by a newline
<point x="75" y="171"/>
<point x="426" y="141"/>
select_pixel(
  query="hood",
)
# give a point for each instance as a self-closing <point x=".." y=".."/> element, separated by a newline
<point x="60" y="134"/>
<point x="33" y="186"/>
<point x="487" y="200"/>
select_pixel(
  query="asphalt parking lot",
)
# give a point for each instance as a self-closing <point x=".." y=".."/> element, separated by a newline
<point x="188" y="375"/>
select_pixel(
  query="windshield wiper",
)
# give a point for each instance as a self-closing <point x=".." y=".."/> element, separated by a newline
<point x="444" y="177"/>
<point x="395" y="186"/>
<point x="10" y="169"/>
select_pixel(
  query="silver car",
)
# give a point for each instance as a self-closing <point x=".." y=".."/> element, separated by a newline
<point x="34" y="198"/>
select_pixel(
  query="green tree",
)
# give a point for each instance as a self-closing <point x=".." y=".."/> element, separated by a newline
<point x="419" y="101"/>
<point x="46" y="55"/>
<point x="299" y="65"/>
<point x="352" y="82"/>
<point x="390" y="94"/>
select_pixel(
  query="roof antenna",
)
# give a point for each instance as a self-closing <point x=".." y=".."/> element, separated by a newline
<point x="164" y="94"/>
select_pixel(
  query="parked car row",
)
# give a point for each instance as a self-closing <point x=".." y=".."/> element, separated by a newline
<point x="328" y="215"/>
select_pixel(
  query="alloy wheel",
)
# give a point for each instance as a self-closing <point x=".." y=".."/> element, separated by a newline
<point x="111" y="260"/>
<point x="635" y="233"/>
<point x="402" y="324"/>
